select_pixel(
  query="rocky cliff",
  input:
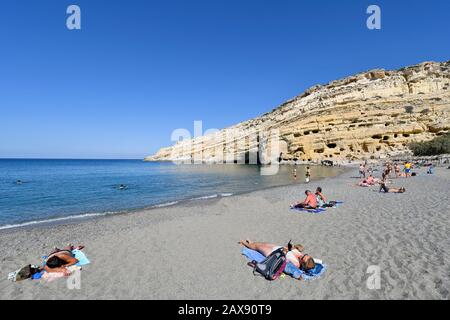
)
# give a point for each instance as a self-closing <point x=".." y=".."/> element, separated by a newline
<point x="370" y="115"/>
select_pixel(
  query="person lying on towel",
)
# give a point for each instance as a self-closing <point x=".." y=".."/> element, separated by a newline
<point x="309" y="203"/>
<point x="60" y="259"/>
<point x="294" y="253"/>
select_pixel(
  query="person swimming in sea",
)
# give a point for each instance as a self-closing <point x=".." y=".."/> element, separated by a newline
<point x="122" y="187"/>
<point x="19" y="182"/>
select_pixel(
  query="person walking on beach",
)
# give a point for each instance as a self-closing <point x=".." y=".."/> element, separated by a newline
<point x="308" y="174"/>
<point x="294" y="172"/>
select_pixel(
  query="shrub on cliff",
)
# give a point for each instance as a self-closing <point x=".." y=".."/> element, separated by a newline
<point x="439" y="145"/>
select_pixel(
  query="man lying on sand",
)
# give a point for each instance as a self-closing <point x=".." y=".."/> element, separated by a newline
<point x="386" y="189"/>
<point x="309" y="203"/>
<point x="60" y="259"/>
<point x="293" y="253"/>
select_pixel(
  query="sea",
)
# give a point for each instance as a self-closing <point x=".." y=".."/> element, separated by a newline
<point x="34" y="191"/>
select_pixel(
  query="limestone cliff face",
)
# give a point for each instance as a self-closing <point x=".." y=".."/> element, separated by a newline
<point x="369" y="115"/>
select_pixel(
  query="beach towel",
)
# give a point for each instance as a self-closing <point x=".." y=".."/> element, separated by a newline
<point x="290" y="269"/>
<point x="81" y="257"/>
<point x="51" y="276"/>
<point x="318" y="210"/>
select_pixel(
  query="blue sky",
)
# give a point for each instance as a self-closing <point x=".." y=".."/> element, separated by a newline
<point x="140" y="69"/>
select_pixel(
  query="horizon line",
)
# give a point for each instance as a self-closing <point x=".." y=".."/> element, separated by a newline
<point x="44" y="158"/>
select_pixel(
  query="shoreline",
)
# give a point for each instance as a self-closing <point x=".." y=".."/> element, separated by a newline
<point x="84" y="217"/>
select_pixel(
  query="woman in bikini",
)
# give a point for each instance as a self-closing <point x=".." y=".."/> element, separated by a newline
<point x="294" y="253"/>
<point x="60" y="259"/>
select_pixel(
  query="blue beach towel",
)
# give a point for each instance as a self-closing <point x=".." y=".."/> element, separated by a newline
<point x="81" y="257"/>
<point x="318" y="210"/>
<point x="291" y="269"/>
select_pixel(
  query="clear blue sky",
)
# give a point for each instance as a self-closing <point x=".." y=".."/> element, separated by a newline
<point x="140" y="69"/>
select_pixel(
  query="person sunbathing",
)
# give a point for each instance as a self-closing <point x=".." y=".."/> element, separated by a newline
<point x="309" y="203"/>
<point x="60" y="259"/>
<point x="386" y="189"/>
<point x="294" y="253"/>
<point x="370" y="181"/>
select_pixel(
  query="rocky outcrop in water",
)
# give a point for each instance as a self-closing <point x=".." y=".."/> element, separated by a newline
<point x="370" y="115"/>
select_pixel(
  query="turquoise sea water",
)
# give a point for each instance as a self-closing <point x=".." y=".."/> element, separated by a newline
<point x="68" y="189"/>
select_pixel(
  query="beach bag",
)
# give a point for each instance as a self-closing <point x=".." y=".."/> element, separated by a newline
<point x="23" y="273"/>
<point x="271" y="267"/>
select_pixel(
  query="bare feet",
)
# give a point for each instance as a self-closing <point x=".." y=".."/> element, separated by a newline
<point x="244" y="242"/>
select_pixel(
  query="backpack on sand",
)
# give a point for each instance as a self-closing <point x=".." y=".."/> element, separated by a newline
<point x="23" y="273"/>
<point x="271" y="267"/>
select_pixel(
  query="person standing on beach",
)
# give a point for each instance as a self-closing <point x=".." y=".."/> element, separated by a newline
<point x="407" y="169"/>
<point x="362" y="171"/>
<point x="295" y="173"/>
<point x="308" y="174"/>
<point x="397" y="170"/>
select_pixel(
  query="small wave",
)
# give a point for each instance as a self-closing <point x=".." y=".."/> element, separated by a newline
<point x="34" y="222"/>
<point x="205" y="197"/>
<point x="226" y="194"/>
<point x="212" y="196"/>
<point x="166" y="204"/>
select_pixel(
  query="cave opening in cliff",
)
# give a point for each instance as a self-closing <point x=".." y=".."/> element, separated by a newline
<point x="332" y="145"/>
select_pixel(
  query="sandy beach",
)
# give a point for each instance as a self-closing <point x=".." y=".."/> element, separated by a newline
<point x="190" y="251"/>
